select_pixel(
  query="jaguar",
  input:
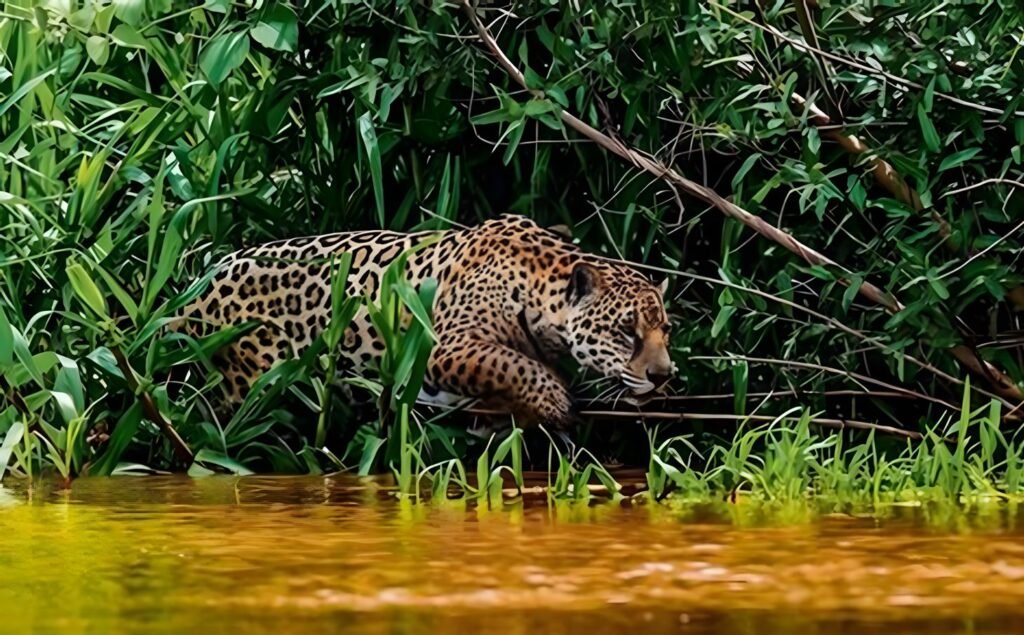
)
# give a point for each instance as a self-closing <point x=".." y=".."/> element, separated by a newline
<point x="512" y="300"/>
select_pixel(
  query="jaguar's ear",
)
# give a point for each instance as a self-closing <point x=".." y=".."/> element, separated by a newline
<point x="582" y="282"/>
<point x="662" y="286"/>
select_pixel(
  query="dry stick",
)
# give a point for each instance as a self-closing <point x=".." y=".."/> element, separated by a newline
<point x="883" y="171"/>
<point x="1001" y="383"/>
<point x="680" y="416"/>
<point x="181" y="449"/>
<point x="828" y="369"/>
<point x="885" y="174"/>
<point x="901" y="82"/>
<point x="982" y="184"/>
<point x="871" y="394"/>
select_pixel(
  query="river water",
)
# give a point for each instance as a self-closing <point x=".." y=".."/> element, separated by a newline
<point x="337" y="554"/>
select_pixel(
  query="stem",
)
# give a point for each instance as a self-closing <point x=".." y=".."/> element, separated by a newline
<point x="181" y="449"/>
<point x="14" y="397"/>
<point x="325" y="405"/>
<point x="829" y="423"/>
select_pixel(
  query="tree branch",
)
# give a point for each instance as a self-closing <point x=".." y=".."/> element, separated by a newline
<point x="181" y="449"/>
<point x="1002" y="384"/>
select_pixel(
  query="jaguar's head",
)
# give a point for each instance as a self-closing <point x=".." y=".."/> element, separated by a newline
<point x="617" y="326"/>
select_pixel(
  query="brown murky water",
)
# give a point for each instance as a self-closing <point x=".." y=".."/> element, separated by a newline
<point x="297" y="555"/>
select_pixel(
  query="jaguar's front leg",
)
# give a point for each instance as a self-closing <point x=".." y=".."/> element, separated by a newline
<point x="502" y="378"/>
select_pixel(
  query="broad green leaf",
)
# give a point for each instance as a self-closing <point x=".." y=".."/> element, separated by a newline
<point x="813" y="140"/>
<point x="740" y="376"/>
<point x="722" y="319"/>
<point x="278" y="29"/>
<point x="416" y="306"/>
<point x="537" y="107"/>
<point x="104" y="17"/>
<point x="494" y="116"/>
<point x="23" y="90"/>
<point x="13" y="345"/>
<point x="216" y="458"/>
<point x="223" y="54"/>
<point x="371" y="445"/>
<point x="748" y="163"/>
<point x="130" y="11"/>
<point x="929" y="95"/>
<point x="122" y="295"/>
<point x="6" y="342"/>
<point x="851" y="292"/>
<point x="98" y="48"/>
<point x="958" y="158"/>
<point x="125" y="35"/>
<point x="217" y="6"/>
<point x="515" y="134"/>
<point x="83" y="18"/>
<point x="939" y="288"/>
<point x="65" y="406"/>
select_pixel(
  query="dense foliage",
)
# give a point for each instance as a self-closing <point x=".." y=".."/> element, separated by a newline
<point x="141" y="139"/>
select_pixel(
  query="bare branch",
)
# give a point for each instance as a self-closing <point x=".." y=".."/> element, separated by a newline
<point x="901" y="82"/>
<point x="181" y="449"/>
<point x="1002" y="384"/>
<point x="699" y="416"/>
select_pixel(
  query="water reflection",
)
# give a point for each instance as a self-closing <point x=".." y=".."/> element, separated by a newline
<point x="297" y="554"/>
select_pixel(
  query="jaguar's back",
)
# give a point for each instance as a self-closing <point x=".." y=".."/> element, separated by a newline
<point x="286" y="287"/>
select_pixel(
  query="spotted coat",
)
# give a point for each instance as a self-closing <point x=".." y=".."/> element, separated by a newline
<point x="511" y="298"/>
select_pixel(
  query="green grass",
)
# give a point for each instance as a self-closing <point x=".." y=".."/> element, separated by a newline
<point x="787" y="461"/>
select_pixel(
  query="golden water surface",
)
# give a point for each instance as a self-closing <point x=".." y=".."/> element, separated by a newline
<point x="336" y="554"/>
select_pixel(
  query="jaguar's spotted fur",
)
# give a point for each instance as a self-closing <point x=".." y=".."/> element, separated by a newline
<point x="510" y="297"/>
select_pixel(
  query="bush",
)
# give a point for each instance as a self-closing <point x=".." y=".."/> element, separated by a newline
<point x="143" y="139"/>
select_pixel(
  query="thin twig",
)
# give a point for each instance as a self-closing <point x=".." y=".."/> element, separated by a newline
<point x="984" y="251"/>
<point x="828" y="369"/>
<point x="697" y="416"/>
<point x="829" y="321"/>
<point x="805" y="18"/>
<point x="872" y="394"/>
<point x="1002" y="384"/>
<point x="895" y="79"/>
<point x="983" y="183"/>
<point x="181" y="449"/>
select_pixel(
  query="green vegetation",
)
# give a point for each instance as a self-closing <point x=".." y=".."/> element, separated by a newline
<point x="785" y="461"/>
<point x="141" y="140"/>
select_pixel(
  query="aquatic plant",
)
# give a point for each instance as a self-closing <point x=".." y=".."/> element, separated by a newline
<point x="968" y="460"/>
